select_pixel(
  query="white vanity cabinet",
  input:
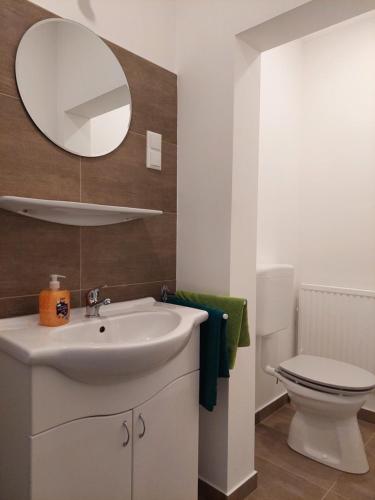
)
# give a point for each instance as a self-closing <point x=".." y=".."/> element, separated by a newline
<point x="83" y="460"/>
<point x="91" y="458"/>
<point x="165" y="454"/>
<point x="133" y="438"/>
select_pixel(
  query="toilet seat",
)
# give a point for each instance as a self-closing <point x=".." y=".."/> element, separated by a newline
<point x="317" y="387"/>
<point x="327" y="375"/>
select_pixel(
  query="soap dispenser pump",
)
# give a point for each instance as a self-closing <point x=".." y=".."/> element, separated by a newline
<point x="54" y="304"/>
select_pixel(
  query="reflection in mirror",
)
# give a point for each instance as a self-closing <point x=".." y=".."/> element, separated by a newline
<point x="73" y="87"/>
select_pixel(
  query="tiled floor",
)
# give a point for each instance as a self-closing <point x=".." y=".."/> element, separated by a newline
<point x="287" y="475"/>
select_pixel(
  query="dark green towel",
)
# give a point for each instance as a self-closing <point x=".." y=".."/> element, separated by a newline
<point x="236" y="308"/>
<point x="213" y="351"/>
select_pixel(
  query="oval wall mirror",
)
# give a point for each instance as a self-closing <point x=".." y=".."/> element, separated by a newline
<point x="73" y="87"/>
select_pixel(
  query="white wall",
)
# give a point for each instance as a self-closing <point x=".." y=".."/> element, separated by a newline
<point x="317" y="194"/>
<point x="278" y="195"/>
<point x="145" y="27"/>
<point x="338" y="188"/>
<point x="207" y="238"/>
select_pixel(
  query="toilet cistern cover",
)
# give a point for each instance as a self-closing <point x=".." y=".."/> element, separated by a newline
<point x="329" y="372"/>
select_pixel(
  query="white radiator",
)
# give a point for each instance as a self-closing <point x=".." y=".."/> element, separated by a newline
<point x="337" y="323"/>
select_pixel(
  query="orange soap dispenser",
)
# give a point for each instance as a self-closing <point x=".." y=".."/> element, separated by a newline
<point x="54" y="304"/>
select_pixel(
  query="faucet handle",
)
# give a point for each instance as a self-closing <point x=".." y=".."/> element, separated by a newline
<point x="164" y="292"/>
<point x="92" y="296"/>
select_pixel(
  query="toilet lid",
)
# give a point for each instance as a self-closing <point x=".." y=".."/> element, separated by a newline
<point x="329" y="372"/>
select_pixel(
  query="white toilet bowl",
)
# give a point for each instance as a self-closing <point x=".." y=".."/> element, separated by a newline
<point x="327" y="396"/>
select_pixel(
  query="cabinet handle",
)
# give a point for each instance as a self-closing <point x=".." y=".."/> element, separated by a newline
<point x="127" y="438"/>
<point x="141" y="434"/>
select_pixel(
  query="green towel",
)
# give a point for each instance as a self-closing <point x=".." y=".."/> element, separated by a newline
<point x="237" y="327"/>
<point x="213" y="356"/>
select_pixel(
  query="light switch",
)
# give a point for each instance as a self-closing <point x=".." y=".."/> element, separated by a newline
<point x="155" y="141"/>
<point x="155" y="159"/>
<point x="153" y="154"/>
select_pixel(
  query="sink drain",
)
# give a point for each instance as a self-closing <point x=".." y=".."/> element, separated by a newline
<point x="102" y="329"/>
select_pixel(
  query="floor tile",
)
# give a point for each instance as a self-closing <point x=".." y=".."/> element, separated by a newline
<point x="358" y="486"/>
<point x="274" y="483"/>
<point x="333" y="496"/>
<point x="280" y="419"/>
<point x="370" y="446"/>
<point x="271" y="445"/>
<point x="367" y="429"/>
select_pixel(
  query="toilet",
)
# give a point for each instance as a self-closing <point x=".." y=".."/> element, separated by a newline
<point x="326" y="394"/>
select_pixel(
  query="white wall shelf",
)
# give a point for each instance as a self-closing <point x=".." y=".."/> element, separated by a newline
<point x="73" y="213"/>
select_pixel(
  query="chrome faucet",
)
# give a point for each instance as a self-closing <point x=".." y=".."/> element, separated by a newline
<point x="94" y="303"/>
<point x="164" y="292"/>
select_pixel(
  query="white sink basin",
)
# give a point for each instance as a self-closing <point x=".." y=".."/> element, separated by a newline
<point x="130" y="337"/>
<point x="130" y="328"/>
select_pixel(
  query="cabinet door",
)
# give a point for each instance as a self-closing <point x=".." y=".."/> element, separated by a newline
<point x="165" y="443"/>
<point x="88" y="459"/>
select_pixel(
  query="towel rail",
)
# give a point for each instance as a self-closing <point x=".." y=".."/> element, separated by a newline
<point x="165" y="292"/>
<point x="225" y="316"/>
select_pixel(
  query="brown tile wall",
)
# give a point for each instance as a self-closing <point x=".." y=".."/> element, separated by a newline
<point x="133" y="258"/>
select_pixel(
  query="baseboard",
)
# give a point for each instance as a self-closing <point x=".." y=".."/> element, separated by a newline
<point x="367" y="415"/>
<point x="207" y="491"/>
<point x="271" y="407"/>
